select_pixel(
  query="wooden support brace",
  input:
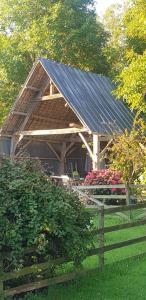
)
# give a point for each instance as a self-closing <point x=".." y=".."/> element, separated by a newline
<point x="23" y="148"/>
<point x="106" y="147"/>
<point x="87" y="145"/>
<point x="54" y="151"/>
<point x="71" y="150"/>
<point x="69" y="147"/>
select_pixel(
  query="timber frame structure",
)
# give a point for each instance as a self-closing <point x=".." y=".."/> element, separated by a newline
<point x="63" y="108"/>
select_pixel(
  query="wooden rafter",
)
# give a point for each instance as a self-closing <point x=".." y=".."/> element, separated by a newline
<point x="17" y="138"/>
<point x="51" y="131"/>
<point x="33" y="106"/>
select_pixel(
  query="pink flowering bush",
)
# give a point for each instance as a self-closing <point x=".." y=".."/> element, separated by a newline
<point x="105" y="177"/>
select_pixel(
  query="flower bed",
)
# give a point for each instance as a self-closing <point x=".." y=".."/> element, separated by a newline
<point x="106" y="177"/>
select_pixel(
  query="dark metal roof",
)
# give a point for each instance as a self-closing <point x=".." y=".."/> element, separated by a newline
<point x="90" y="97"/>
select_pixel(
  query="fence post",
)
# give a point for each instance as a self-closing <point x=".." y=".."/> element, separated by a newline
<point x="101" y="236"/>
<point x="128" y="198"/>
<point x="1" y="281"/>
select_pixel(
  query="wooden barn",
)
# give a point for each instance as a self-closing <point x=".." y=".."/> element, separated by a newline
<point x="65" y="117"/>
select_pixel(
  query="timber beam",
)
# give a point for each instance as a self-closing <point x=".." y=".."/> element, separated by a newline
<point x="19" y="113"/>
<point x="51" y="131"/>
<point x="50" y="97"/>
<point x="32" y="88"/>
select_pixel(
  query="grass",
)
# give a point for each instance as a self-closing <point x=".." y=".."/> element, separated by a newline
<point x="123" y="277"/>
<point x="124" y="280"/>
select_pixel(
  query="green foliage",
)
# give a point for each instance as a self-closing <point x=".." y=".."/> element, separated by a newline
<point x="134" y="21"/>
<point x="132" y="76"/>
<point x="34" y="212"/>
<point x="132" y="81"/>
<point x="115" y="49"/>
<point x="126" y="51"/>
<point x="66" y="31"/>
<point x="128" y="153"/>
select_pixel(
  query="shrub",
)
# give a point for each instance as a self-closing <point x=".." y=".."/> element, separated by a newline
<point x="105" y="177"/>
<point x="128" y="153"/>
<point x="34" y="212"/>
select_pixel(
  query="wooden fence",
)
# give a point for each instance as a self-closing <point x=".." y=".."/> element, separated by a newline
<point x="100" y="212"/>
<point x="129" y="195"/>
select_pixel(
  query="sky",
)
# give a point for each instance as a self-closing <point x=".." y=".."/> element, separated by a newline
<point x="102" y="5"/>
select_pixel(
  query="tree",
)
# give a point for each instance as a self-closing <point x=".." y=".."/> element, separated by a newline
<point x="132" y="77"/>
<point x="115" y="49"/>
<point x="132" y="81"/>
<point x="66" y="31"/>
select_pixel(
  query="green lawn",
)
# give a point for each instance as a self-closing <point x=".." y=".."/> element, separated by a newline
<point x="123" y="277"/>
<point x="125" y="280"/>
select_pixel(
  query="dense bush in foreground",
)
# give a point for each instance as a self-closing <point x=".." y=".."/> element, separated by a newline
<point x="34" y="212"/>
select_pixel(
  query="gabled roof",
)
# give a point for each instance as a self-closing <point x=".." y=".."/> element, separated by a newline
<point x="89" y="96"/>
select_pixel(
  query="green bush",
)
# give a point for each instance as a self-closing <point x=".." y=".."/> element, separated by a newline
<point x="34" y="212"/>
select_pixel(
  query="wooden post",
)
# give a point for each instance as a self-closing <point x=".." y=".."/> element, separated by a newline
<point x="62" y="160"/>
<point x="52" y="88"/>
<point x="14" y="142"/>
<point x="1" y="282"/>
<point x="13" y="147"/>
<point x="96" y="152"/>
<point x="128" y="202"/>
<point x="101" y="236"/>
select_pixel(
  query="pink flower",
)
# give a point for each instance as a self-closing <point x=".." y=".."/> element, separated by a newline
<point x="119" y="182"/>
<point x="113" y="182"/>
<point x="114" y="190"/>
<point x="123" y="191"/>
<point x="116" y="177"/>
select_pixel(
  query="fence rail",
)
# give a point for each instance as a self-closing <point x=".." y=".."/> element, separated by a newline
<point x="100" y="212"/>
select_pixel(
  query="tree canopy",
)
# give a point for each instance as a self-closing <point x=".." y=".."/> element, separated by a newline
<point x="66" y="31"/>
<point x="70" y="32"/>
<point x="132" y="77"/>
